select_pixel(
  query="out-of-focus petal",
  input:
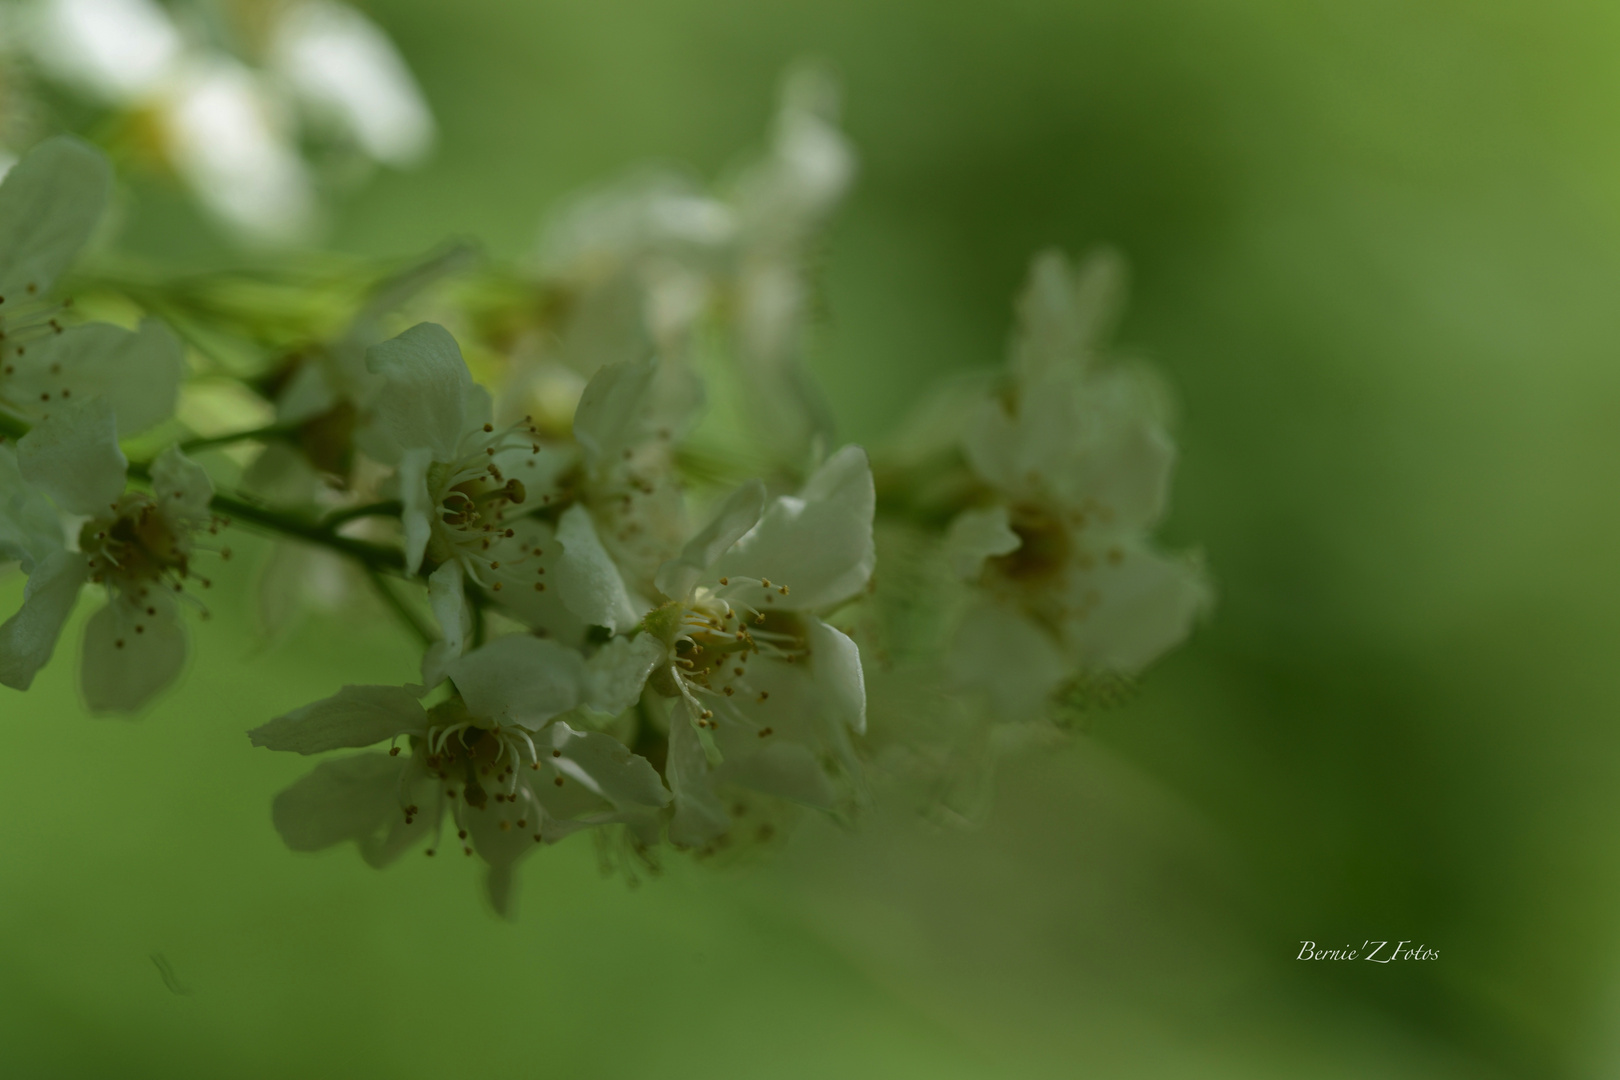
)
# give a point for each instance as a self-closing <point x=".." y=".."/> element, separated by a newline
<point x="1134" y="606"/>
<point x="976" y="535"/>
<point x="344" y="66"/>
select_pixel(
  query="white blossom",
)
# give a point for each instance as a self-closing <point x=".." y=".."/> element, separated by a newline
<point x="765" y="694"/>
<point x="1076" y="465"/>
<point x="494" y="758"/>
<point x="137" y="545"/>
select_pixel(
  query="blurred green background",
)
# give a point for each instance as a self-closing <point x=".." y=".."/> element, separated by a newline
<point x="1376" y="249"/>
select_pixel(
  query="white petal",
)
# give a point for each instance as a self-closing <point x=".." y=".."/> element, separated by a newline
<point x="615" y="675"/>
<point x="610" y="410"/>
<point x="423" y="400"/>
<point x="607" y="766"/>
<point x="819" y="544"/>
<point x="28" y="638"/>
<point x="1131" y="612"/>
<point x="976" y="535"/>
<point x="739" y="513"/>
<point x="182" y="490"/>
<point x="699" y="814"/>
<point x="586" y="577"/>
<point x="783" y="769"/>
<point x="1015" y="451"/>
<point x="138" y="372"/>
<point x="416" y="516"/>
<point x="415" y="786"/>
<point x="448" y="599"/>
<point x="73" y="456"/>
<point x="519" y="680"/>
<point x="131" y="656"/>
<point x="30" y="530"/>
<point x="345" y="67"/>
<point x="1119" y="471"/>
<point x="835" y="661"/>
<point x="351" y="798"/>
<point x="1065" y="313"/>
<point x="354" y="716"/>
<point x="50" y="203"/>
<point x="1008" y="658"/>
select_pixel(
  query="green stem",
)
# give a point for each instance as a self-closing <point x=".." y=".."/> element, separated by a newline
<point x="398" y="606"/>
<point x="271" y="431"/>
<point x="374" y="556"/>
<point x="386" y="508"/>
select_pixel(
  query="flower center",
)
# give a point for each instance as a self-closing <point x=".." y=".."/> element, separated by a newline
<point x="483" y="768"/>
<point x="473" y="497"/>
<point x="135" y="548"/>
<point x="1045" y="552"/>
<point x="710" y="638"/>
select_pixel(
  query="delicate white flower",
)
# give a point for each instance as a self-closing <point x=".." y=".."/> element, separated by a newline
<point x="49" y="205"/>
<point x="494" y="755"/>
<point x="1076" y="466"/>
<point x="137" y="545"/>
<point x="458" y="475"/>
<point x="765" y="693"/>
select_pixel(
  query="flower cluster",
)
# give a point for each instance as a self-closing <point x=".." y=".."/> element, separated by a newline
<point x="229" y="99"/>
<point x="638" y="569"/>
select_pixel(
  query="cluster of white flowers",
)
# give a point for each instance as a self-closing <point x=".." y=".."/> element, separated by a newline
<point x="226" y="96"/>
<point x="613" y="638"/>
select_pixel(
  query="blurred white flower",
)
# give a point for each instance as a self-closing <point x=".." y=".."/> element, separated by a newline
<point x="117" y="51"/>
<point x="1076" y="466"/>
<point x="232" y="139"/>
<point x="231" y="130"/>
<point x="346" y="69"/>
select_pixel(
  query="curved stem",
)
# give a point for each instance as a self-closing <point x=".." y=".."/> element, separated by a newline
<point x="271" y="431"/>
<point x="385" y="508"/>
<point x="374" y="556"/>
<point x="398" y="606"/>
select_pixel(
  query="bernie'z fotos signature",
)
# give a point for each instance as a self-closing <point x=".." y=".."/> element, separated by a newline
<point x="1370" y="950"/>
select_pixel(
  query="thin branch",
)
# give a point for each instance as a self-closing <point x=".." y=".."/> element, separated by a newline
<point x="401" y="609"/>
<point x="271" y="431"/>
<point x="374" y="556"/>
<point x="387" y="508"/>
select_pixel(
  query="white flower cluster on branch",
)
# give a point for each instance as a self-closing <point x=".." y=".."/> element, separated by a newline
<point x="619" y="630"/>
